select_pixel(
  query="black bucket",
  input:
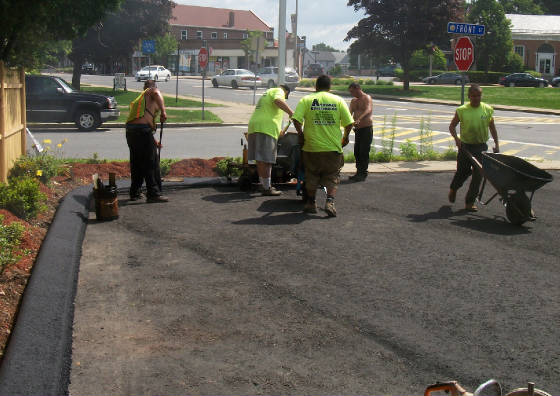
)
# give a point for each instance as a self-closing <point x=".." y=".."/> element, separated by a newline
<point x="106" y="203"/>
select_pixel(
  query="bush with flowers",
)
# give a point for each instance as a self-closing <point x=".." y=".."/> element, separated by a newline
<point x="44" y="165"/>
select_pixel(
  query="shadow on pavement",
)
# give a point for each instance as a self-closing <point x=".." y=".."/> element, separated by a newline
<point x="281" y="205"/>
<point x="281" y="219"/>
<point x="228" y="197"/>
<point x="445" y="212"/>
<point x="497" y="225"/>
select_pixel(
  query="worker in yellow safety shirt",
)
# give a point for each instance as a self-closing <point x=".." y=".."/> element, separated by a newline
<point x="140" y="129"/>
<point x="264" y="130"/>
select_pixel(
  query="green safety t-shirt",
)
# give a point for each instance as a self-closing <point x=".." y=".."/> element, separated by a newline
<point x="267" y="117"/>
<point x="475" y="122"/>
<point x="322" y="114"/>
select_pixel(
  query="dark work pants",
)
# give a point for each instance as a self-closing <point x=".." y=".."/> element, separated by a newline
<point x="362" y="146"/>
<point x="465" y="168"/>
<point x="144" y="163"/>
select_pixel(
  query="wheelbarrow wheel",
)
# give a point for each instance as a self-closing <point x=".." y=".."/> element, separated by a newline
<point x="518" y="208"/>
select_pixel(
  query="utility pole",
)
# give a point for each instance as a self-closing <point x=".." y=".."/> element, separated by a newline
<point x="282" y="43"/>
<point x="296" y="49"/>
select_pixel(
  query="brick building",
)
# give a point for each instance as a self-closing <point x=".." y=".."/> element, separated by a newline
<point x="536" y="38"/>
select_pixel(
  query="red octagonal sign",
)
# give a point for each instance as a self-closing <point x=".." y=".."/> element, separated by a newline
<point x="464" y="54"/>
<point x="203" y="58"/>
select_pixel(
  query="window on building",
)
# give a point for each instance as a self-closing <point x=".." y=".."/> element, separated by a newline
<point x="183" y="35"/>
<point x="214" y="35"/>
<point x="225" y="36"/>
<point x="520" y="50"/>
<point x="199" y="34"/>
<point x="245" y="35"/>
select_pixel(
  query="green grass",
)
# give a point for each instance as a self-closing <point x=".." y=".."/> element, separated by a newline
<point x="175" y="115"/>
<point x="545" y="98"/>
<point x="124" y="98"/>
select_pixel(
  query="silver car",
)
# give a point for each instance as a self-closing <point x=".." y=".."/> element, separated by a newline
<point x="447" y="78"/>
<point x="269" y="77"/>
<point x="154" y="72"/>
<point x="236" y="78"/>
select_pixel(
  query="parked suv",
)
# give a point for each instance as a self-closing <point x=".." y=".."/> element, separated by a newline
<point x="51" y="99"/>
<point x="269" y="77"/>
<point x="314" y="70"/>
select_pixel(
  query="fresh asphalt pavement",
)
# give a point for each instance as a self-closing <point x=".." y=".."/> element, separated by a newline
<point x="224" y="292"/>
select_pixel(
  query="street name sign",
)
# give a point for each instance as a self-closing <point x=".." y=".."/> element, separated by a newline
<point x="466" y="28"/>
<point x="464" y="54"/>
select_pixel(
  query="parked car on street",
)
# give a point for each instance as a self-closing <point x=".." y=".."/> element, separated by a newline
<point x="314" y="70"/>
<point x="51" y="99"/>
<point x="555" y="82"/>
<point x="523" y="80"/>
<point x="269" y="77"/>
<point x="88" y="68"/>
<point x="386" y="71"/>
<point x="447" y="78"/>
<point x="154" y="72"/>
<point x="236" y="78"/>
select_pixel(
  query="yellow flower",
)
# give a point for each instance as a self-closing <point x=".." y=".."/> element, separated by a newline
<point x="47" y="141"/>
<point x="64" y="140"/>
<point x="59" y="145"/>
<point x="39" y="172"/>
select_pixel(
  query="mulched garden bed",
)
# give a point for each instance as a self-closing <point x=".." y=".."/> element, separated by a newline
<point x="14" y="278"/>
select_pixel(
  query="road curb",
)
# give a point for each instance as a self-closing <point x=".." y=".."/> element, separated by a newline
<point x="39" y="353"/>
<point x="121" y="125"/>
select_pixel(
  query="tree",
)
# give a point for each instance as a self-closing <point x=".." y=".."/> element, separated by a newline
<point x="493" y="50"/>
<point x="399" y="27"/>
<point x="255" y="39"/>
<point x="323" y="47"/>
<point x="527" y="7"/>
<point x="421" y="59"/>
<point x="550" y="7"/>
<point x="165" y="45"/>
<point x="112" y="42"/>
<point x="28" y="24"/>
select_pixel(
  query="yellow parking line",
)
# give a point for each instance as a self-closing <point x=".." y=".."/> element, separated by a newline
<point x="513" y="152"/>
<point x="406" y="132"/>
<point x="447" y="139"/>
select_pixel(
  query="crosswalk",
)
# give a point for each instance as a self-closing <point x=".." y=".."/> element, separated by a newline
<point x="441" y="140"/>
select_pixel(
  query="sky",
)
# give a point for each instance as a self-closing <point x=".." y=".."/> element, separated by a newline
<point x="325" y="21"/>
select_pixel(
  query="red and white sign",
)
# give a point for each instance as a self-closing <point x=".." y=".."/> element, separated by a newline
<point x="203" y="58"/>
<point x="464" y="54"/>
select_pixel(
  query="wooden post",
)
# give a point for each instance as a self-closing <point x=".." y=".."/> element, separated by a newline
<point x="23" y="112"/>
<point x="3" y="154"/>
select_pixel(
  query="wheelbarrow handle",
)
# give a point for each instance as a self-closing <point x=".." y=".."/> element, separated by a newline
<point x="472" y="158"/>
<point x="451" y="387"/>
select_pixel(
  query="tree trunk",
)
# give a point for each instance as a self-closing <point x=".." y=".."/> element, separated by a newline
<point x="406" y="78"/>
<point x="77" y="73"/>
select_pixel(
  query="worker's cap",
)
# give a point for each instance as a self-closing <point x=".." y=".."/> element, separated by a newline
<point x="286" y="88"/>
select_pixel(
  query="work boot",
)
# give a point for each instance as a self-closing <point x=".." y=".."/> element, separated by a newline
<point x="452" y="195"/>
<point x="157" y="199"/>
<point x="471" y="207"/>
<point x="136" y="197"/>
<point x="310" y="206"/>
<point x="358" y="177"/>
<point x="271" y="192"/>
<point x="329" y="207"/>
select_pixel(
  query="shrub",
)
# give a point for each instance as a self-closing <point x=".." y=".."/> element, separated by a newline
<point x="336" y="71"/>
<point x="165" y="165"/>
<point x="43" y="167"/>
<point x="22" y="197"/>
<point x="534" y="73"/>
<point x="482" y="77"/>
<point x="10" y="237"/>
<point x="229" y="167"/>
<point x="409" y="151"/>
<point x="383" y="82"/>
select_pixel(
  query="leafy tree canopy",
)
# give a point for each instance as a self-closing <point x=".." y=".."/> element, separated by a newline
<point x="28" y="24"/>
<point x="397" y="28"/>
<point x="528" y="7"/>
<point x="323" y="47"/>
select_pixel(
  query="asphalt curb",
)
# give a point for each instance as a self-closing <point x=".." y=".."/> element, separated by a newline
<point x="39" y="353"/>
<point x="121" y="125"/>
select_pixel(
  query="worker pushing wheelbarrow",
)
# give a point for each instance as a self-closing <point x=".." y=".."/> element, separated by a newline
<point x="513" y="178"/>
<point x="489" y="388"/>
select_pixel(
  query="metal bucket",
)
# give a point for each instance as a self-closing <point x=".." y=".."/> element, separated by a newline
<point x="106" y="203"/>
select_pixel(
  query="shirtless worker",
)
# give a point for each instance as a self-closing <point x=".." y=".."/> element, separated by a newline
<point x="140" y="129"/>
<point x="361" y="109"/>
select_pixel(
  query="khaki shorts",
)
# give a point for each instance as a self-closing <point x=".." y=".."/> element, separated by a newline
<point x="322" y="169"/>
<point x="262" y="148"/>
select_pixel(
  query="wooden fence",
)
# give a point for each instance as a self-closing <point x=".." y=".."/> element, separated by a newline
<point x="12" y="117"/>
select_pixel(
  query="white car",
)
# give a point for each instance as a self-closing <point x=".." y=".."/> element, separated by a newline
<point x="236" y="78"/>
<point x="154" y="72"/>
<point x="269" y="76"/>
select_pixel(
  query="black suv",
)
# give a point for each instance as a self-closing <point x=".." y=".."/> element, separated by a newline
<point x="50" y="99"/>
<point x="523" y="80"/>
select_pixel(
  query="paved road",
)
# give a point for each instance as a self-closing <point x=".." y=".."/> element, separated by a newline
<point x="522" y="134"/>
<point x="241" y="294"/>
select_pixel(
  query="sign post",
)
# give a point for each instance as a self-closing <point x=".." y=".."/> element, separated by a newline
<point x="149" y="47"/>
<point x="202" y="63"/>
<point x="464" y="58"/>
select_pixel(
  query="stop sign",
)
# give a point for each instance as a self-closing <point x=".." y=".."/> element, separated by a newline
<point x="203" y="58"/>
<point x="464" y="54"/>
